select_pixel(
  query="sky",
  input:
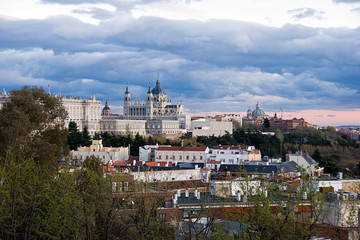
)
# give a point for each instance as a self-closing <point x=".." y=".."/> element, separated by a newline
<point x="213" y="56"/>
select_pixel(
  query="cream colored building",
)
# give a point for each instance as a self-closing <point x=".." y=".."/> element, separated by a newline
<point x="105" y="154"/>
<point x="84" y="112"/>
<point x="122" y="126"/>
<point x="209" y="127"/>
<point x="181" y="154"/>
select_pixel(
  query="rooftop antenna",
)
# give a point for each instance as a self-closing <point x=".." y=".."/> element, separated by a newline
<point x="281" y="110"/>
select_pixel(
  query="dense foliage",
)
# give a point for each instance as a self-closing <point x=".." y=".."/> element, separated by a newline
<point x="33" y="123"/>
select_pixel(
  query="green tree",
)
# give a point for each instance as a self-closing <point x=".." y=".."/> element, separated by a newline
<point x="75" y="138"/>
<point x="33" y="122"/>
<point x="86" y="137"/>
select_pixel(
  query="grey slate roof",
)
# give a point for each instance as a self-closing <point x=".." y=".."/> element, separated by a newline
<point x="250" y="168"/>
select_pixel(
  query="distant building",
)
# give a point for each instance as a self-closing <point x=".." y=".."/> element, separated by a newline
<point x="147" y="152"/>
<point x="305" y="161"/>
<point x="233" y="154"/>
<point x="209" y="127"/>
<point x="256" y="117"/>
<point x="289" y="124"/>
<point x="181" y="154"/>
<point x="84" y="112"/>
<point x="156" y="115"/>
<point x="4" y="98"/>
<point x="105" y="154"/>
<point x="235" y="118"/>
<point x="106" y="110"/>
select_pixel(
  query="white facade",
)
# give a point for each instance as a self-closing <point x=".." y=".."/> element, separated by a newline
<point x="209" y="127"/>
<point x="122" y="126"/>
<point x="167" y="176"/>
<point x="233" y="154"/>
<point x="84" y="112"/>
<point x="4" y="98"/>
<point x="147" y="152"/>
<point x="105" y="154"/>
<point x="157" y="126"/>
<point x="181" y="154"/>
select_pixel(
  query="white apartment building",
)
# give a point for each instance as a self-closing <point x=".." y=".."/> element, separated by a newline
<point x="181" y="154"/>
<point x="105" y="154"/>
<point x="233" y="154"/>
<point x="209" y="127"/>
<point x="147" y="152"/>
<point x="167" y="176"/>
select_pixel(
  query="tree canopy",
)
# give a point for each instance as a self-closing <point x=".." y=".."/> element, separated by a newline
<point x="33" y="123"/>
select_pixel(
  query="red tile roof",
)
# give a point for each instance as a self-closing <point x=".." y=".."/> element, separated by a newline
<point x="119" y="163"/>
<point x="205" y="169"/>
<point x="214" y="162"/>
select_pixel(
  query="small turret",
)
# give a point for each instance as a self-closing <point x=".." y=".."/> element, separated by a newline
<point x="149" y="95"/>
<point x="127" y="97"/>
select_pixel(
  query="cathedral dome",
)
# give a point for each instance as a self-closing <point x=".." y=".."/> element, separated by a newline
<point x="106" y="110"/>
<point x="258" y="112"/>
<point x="157" y="89"/>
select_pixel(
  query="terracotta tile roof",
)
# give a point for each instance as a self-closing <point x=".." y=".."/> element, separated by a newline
<point x="214" y="162"/>
<point x="119" y="163"/>
<point x="176" y="148"/>
<point x="205" y="169"/>
<point x="151" y="164"/>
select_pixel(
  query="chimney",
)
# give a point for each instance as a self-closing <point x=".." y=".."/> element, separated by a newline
<point x="238" y="196"/>
<point x="175" y="199"/>
<point x="305" y="195"/>
<point x="178" y="192"/>
<point x="186" y="193"/>
<point x="198" y="195"/>
<point x="134" y="162"/>
<point x="195" y="192"/>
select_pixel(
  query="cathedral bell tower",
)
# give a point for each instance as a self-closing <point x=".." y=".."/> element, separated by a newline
<point x="149" y="96"/>
<point x="127" y="101"/>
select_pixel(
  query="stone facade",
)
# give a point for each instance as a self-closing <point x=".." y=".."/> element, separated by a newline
<point x="181" y="154"/>
<point x="85" y="112"/>
<point x="105" y="154"/>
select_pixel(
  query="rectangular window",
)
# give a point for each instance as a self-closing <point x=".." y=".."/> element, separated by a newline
<point x="166" y="157"/>
<point x="159" y="157"/>
<point x="201" y="158"/>
<point x="180" y="157"/>
<point x="187" y="157"/>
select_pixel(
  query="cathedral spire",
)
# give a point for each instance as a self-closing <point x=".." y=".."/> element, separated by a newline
<point x="127" y="89"/>
<point x="149" y="91"/>
<point x="157" y="80"/>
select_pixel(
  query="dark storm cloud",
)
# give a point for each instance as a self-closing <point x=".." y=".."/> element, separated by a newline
<point x="210" y="66"/>
<point x="300" y="13"/>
